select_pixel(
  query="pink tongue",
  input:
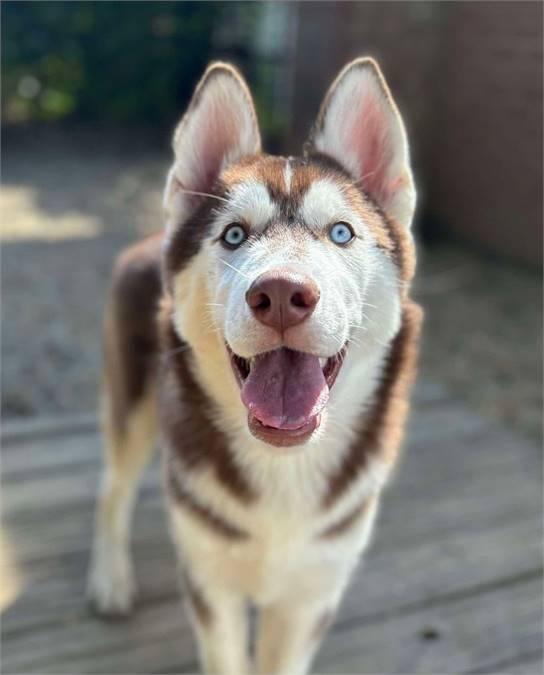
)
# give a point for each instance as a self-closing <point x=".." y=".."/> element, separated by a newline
<point x="285" y="389"/>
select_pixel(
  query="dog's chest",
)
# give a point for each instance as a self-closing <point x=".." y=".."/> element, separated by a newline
<point x="279" y="557"/>
<point x="284" y="551"/>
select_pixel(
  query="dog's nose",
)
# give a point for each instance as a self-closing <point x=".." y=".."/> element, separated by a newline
<point x="282" y="298"/>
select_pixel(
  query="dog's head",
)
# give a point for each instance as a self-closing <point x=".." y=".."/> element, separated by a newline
<point x="285" y="268"/>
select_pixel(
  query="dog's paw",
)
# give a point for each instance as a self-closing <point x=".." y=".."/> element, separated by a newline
<point x="111" y="590"/>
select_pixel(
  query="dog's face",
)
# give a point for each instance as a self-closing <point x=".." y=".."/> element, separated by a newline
<point x="283" y="266"/>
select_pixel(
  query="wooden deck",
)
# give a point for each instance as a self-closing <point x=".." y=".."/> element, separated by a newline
<point x="451" y="584"/>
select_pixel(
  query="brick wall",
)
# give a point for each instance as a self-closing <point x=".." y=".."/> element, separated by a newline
<point x="468" y="79"/>
<point x="485" y="180"/>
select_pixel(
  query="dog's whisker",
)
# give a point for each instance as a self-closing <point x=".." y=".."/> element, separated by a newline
<point x="363" y="178"/>
<point x="209" y="324"/>
<point x="368" y="319"/>
<point x="202" y="194"/>
<point x="356" y="342"/>
<point x="340" y="340"/>
<point x="232" y="267"/>
<point x="178" y="350"/>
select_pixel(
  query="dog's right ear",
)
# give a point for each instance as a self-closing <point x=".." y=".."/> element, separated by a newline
<point x="219" y="128"/>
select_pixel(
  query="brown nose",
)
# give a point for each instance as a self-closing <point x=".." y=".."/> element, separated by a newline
<point x="282" y="298"/>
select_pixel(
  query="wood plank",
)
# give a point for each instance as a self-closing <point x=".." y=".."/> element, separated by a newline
<point x="57" y="594"/>
<point x="526" y="664"/>
<point x="460" y="527"/>
<point x="25" y="464"/>
<point x="392" y="580"/>
<point x="42" y="539"/>
<point x="75" y="444"/>
<point x="479" y="486"/>
<point x="25" y="428"/>
<point x="453" y="637"/>
<point x="157" y="656"/>
<point x="474" y="547"/>
<point x="41" y="457"/>
<point x="503" y="624"/>
<point x="471" y="506"/>
<point x="405" y="519"/>
<point x="384" y="583"/>
<point x="60" y="490"/>
<point x="53" y="648"/>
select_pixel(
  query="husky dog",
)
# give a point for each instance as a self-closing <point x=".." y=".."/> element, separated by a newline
<point x="268" y="334"/>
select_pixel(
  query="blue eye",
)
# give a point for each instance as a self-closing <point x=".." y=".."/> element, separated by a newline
<point x="341" y="234"/>
<point x="234" y="235"/>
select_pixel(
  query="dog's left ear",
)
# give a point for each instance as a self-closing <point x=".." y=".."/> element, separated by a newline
<point x="219" y="128"/>
<point x="360" y="127"/>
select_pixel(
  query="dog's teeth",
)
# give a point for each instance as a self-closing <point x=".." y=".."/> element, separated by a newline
<point x="323" y="361"/>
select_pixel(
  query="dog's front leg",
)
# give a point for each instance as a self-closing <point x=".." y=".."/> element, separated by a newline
<point x="220" y="623"/>
<point x="290" y="633"/>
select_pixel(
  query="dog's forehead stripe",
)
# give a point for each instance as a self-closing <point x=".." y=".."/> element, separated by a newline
<point x="313" y="201"/>
<point x="287" y="175"/>
<point x="286" y="179"/>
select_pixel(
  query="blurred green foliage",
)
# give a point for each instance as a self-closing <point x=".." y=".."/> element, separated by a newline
<point x="104" y="61"/>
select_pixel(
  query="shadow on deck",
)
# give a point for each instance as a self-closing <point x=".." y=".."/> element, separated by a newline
<point x="451" y="583"/>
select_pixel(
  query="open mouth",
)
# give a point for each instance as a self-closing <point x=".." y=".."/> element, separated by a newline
<point x="285" y="392"/>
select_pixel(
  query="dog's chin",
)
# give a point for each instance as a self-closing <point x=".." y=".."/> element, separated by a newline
<point x="305" y="385"/>
<point x="283" y="438"/>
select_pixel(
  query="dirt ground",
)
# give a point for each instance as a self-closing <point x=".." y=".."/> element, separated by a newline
<point x="70" y="202"/>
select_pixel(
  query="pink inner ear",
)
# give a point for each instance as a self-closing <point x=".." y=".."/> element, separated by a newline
<point x="215" y="137"/>
<point x="370" y="138"/>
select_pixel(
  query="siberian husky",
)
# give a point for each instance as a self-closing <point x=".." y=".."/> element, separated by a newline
<point x="269" y="337"/>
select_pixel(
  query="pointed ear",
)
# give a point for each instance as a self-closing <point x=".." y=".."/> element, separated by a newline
<point x="218" y="129"/>
<point x="360" y="127"/>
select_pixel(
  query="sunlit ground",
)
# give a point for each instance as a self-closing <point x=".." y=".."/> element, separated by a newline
<point x="62" y="186"/>
<point x="23" y="219"/>
<point x="11" y="580"/>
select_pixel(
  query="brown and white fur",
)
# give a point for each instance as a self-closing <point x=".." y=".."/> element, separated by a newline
<point x="276" y="521"/>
